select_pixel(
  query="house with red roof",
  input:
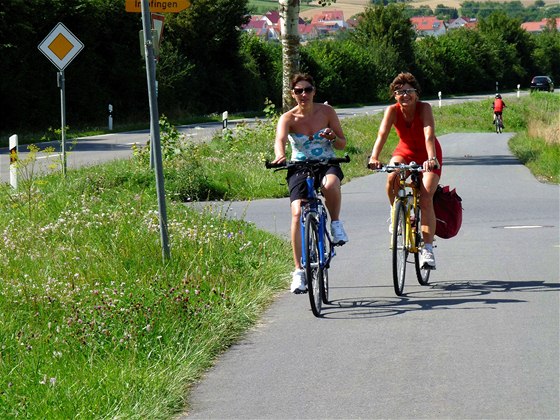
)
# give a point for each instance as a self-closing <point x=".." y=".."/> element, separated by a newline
<point x="328" y="22"/>
<point x="538" y="27"/>
<point x="325" y="23"/>
<point x="261" y="27"/>
<point x="461" y="22"/>
<point x="428" y="25"/>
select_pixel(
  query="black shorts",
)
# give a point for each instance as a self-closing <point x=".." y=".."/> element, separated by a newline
<point x="297" y="183"/>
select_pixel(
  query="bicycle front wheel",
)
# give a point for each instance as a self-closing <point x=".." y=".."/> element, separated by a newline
<point x="323" y="269"/>
<point x="311" y="240"/>
<point x="422" y="274"/>
<point x="400" y="251"/>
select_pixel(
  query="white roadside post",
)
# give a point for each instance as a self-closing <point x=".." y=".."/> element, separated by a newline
<point x="439" y="96"/>
<point x="224" y="120"/>
<point x="518" y="90"/>
<point x="110" y="122"/>
<point x="13" y="161"/>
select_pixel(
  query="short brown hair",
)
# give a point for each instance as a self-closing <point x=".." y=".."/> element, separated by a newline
<point x="401" y="80"/>
<point x="298" y="77"/>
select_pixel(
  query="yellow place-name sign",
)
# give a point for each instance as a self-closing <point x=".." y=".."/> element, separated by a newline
<point x="158" y="6"/>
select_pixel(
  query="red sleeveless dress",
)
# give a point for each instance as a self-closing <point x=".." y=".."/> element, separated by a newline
<point x="412" y="144"/>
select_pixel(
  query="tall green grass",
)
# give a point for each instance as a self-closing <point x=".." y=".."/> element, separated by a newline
<point x="94" y="324"/>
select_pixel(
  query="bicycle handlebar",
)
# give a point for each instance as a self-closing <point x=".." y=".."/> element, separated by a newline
<point x="291" y="163"/>
<point x="412" y="167"/>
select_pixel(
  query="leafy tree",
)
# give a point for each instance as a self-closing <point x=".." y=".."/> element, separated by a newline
<point x="446" y="12"/>
<point x="108" y="70"/>
<point x="344" y="71"/>
<point x="546" y="54"/>
<point x="263" y="69"/>
<point x="514" y="45"/>
<point x="289" y="37"/>
<point x="459" y="61"/>
<point x="388" y="30"/>
<point x="205" y="39"/>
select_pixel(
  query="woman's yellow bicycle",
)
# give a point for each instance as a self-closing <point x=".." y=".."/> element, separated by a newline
<point x="406" y="231"/>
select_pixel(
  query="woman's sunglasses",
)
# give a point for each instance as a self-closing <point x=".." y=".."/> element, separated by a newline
<point x="299" y="91"/>
<point x="402" y="92"/>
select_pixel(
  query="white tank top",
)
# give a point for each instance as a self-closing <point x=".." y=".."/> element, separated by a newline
<point x="310" y="147"/>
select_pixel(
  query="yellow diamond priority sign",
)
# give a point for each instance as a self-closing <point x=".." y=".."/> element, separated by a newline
<point x="61" y="46"/>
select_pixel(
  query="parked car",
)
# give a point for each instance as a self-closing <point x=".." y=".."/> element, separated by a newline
<point x="542" y="83"/>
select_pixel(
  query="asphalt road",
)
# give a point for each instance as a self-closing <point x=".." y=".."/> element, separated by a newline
<point x="480" y="342"/>
<point x="97" y="149"/>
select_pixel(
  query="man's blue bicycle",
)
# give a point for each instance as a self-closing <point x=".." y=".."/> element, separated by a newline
<point x="317" y="246"/>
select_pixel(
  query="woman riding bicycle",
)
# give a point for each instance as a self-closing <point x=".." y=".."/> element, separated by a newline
<point x="498" y="107"/>
<point x="314" y="131"/>
<point x="414" y="123"/>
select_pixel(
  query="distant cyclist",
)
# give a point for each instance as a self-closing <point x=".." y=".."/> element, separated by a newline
<point x="498" y="106"/>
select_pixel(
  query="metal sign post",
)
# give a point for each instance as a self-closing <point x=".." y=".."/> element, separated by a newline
<point x="148" y="48"/>
<point x="61" y="85"/>
<point x="154" y="125"/>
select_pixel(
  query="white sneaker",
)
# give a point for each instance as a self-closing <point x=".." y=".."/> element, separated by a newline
<point x="338" y="234"/>
<point x="299" y="285"/>
<point x="427" y="258"/>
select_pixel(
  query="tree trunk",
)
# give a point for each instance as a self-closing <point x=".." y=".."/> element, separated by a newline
<point x="289" y="35"/>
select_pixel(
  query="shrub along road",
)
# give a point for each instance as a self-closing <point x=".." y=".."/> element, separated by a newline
<point x="481" y="341"/>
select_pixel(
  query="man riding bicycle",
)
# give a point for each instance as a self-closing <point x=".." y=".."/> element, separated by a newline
<point x="498" y="106"/>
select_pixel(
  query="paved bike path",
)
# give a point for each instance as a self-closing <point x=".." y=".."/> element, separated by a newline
<point x="481" y="341"/>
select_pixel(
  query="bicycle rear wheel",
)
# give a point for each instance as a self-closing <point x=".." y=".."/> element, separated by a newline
<point x="314" y="281"/>
<point x="400" y="252"/>
<point x="497" y="124"/>
<point x="422" y="274"/>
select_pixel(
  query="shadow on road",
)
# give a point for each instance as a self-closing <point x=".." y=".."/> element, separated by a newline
<point x="481" y="160"/>
<point x="462" y="295"/>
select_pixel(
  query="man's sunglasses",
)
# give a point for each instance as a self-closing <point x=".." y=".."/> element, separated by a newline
<point x="402" y="92"/>
<point x="299" y="91"/>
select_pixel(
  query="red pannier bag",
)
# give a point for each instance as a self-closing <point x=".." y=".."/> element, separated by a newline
<point x="449" y="212"/>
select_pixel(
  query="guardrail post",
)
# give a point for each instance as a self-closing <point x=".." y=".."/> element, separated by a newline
<point x="13" y="160"/>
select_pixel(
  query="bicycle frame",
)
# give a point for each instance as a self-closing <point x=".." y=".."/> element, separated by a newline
<point x="409" y="240"/>
<point x="409" y="190"/>
<point x="317" y="248"/>
<point x="314" y="205"/>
